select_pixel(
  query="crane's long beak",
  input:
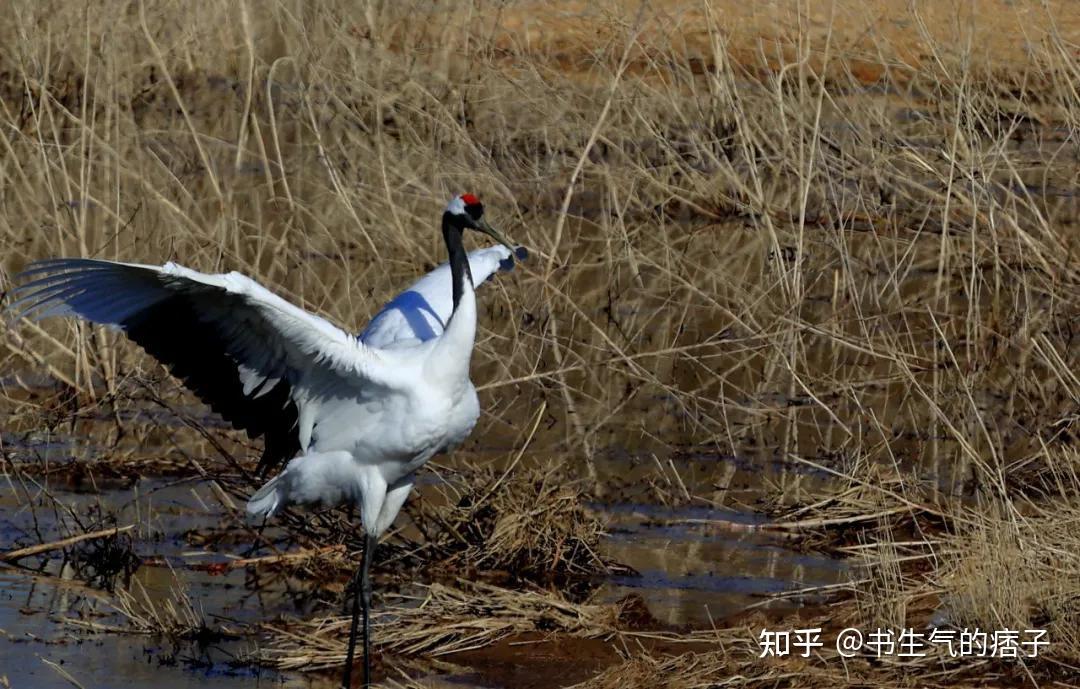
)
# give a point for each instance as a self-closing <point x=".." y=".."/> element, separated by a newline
<point x="482" y="226"/>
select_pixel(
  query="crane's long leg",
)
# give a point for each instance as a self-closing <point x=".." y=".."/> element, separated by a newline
<point x="361" y="603"/>
<point x="346" y="681"/>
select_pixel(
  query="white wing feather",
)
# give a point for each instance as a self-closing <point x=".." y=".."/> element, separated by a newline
<point x="265" y="337"/>
<point x="311" y="336"/>
<point x="420" y="313"/>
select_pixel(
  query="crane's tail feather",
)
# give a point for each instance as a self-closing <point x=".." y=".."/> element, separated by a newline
<point x="326" y="478"/>
<point x="266" y="501"/>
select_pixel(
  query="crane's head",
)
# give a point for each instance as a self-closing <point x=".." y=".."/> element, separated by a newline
<point x="466" y="212"/>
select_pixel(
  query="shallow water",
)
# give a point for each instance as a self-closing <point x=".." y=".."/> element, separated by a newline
<point x="32" y="630"/>
<point x="699" y="565"/>
<point x="695" y="564"/>
<point x="44" y="607"/>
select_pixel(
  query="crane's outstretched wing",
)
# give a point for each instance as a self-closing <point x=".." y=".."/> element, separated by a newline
<point x="420" y="313"/>
<point x="260" y="362"/>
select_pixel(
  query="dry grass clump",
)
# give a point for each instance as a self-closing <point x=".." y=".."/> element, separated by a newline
<point x="697" y="670"/>
<point x="172" y="615"/>
<point x="525" y="525"/>
<point x="742" y="668"/>
<point x="990" y="563"/>
<point x="1053" y="473"/>
<point x="733" y="658"/>
<point x="1013" y="571"/>
<point x="442" y="621"/>
<point x="862" y="506"/>
<point x="531" y="524"/>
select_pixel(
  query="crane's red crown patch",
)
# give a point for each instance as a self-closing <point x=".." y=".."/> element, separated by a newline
<point x="470" y="200"/>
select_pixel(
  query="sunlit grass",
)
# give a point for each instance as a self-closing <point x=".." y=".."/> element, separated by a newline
<point x="805" y="236"/>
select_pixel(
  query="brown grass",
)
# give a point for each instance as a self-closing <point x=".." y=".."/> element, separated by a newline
<point x="530" y="524"/>
<point x="825" y="234"/>
<point x="442" y="620"/>
<point x="797" y="248"/>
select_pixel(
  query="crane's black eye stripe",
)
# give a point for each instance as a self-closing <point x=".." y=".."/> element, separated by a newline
<point x="476" y="210"/>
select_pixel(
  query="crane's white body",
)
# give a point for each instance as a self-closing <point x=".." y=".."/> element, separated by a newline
<point x="371" y="445"/>
<point x="358" y="415"/>
<point x="371" y="410"/>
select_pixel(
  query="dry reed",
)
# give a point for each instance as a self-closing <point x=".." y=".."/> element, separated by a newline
<point x="442" y="620"/>
<point x="838" y="236"/>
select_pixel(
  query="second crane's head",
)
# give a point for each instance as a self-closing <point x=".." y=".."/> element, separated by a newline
<point x="466" y="212"/>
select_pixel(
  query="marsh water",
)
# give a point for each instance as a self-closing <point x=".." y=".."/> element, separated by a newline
<point x="694" y="565"/>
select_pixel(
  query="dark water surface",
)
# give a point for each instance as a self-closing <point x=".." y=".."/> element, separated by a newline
<point x="695" y="564"/>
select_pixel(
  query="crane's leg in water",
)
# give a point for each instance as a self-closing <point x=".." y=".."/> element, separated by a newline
<point x="361" y="603"/>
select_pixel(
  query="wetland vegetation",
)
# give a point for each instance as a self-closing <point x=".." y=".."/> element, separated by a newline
<point x="798" y="345"/>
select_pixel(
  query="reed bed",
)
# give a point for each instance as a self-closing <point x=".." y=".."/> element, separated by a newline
<point x="839" y="238"/>
<point x="790" y="259"/>
<point x="530" y="522"/>
<point x="439" y="620"/>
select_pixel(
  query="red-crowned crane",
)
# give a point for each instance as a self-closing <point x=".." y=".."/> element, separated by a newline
<point x="352" y="418"/>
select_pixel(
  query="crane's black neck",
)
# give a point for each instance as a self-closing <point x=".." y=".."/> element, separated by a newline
<point x="459" y="260"/>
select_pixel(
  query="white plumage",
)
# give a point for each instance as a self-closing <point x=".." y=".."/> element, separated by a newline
<point x="420" y="312"/>
<point x="356" y="415"/>
<point x="415" y="317"/>
<point x="386" y="396"/>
